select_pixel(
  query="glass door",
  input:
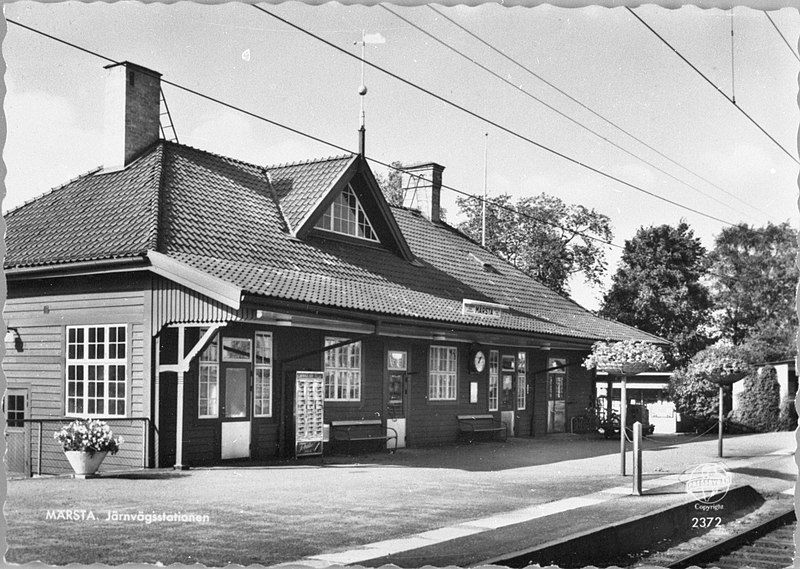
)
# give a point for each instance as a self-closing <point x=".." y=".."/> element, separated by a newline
<point x="235" y="390"/>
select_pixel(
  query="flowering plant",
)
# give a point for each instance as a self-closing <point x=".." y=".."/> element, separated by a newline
<point x="720" y="360"/>
<point x="628" y="356"/>
<point x="89" y="435"/>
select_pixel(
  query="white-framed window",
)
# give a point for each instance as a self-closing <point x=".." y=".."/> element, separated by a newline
<point x="208" y="384"/>
<point x="237" y="350"/>
<point x="262" y="376"/>
<point x="442" y="375"/>
<point x="522" y="383"/>
<point x="97" y="370"/>
<point x="342" y="371"/>
<point x="346" y="216"/>
<point x="494" y="380"/>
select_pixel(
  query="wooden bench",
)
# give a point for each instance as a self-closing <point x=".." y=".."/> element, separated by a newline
<point x="470" y="425"/>
<point x="362" y="431"/>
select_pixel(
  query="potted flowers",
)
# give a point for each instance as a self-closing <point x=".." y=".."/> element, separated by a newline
<point x="721" y="363"/>
<point x="86" y="443"/>
<point x="627" y="357"/>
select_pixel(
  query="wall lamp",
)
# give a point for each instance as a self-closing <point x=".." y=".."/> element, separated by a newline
<point x="12" y="334"/>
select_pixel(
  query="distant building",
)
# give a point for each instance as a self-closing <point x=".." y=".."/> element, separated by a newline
<point x="648" y="389"/>
<point x="177" y="293"/>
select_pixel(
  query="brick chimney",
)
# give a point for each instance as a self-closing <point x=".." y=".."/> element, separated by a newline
<point x="422" y="188"/>
<point x="132" y="107"/>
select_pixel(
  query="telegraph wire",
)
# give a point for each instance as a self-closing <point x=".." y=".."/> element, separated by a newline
<point x="733" y="102"/>
<point x="331" y="144"/>
<point x="322" y="141"/>
<point x="595" y="113"/>
<point x="771" y="21"/>
<point x="491" y="122"/>
<point x="555" y="110"/>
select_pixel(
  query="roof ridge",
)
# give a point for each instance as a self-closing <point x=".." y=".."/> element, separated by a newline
<point x="155" y="198"/>
<point x="310" y="161"/>
<point x="53" y="189"/>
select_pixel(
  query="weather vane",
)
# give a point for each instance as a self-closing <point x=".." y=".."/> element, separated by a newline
<point x="366" y="38"/>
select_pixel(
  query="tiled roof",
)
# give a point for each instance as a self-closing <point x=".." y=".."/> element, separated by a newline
<point x="220" y="216"/>
<point x="97" y="216"/>
<point x="301" y="185"/>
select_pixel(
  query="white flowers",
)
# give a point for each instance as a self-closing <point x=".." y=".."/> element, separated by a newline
<point x="632" y="355"/>
<point x="88" y="435"/>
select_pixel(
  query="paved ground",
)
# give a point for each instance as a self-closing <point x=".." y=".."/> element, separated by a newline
<point x="281" y="513"/>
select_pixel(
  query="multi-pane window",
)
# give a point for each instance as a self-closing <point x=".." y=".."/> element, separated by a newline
<point x="494" y="380"/>
<point x="96" y="370"/>
<point x="262" y="376"/>
<point x="15" y="410"/>
<point x="208" y="386"/>
<point x="343" y="371"/>
<point x="522" y="383"/>
<point x="442" y="377"/>
<point x="346" y="216"/>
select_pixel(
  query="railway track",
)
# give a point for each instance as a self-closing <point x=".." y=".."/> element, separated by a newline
<point x="768" y="545"/>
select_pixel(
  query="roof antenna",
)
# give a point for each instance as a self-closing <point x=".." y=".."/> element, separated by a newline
<point x="362" y="89"/>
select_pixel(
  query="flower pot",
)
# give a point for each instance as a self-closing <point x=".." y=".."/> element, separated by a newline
<point x="623" y="368"/>
<point x="84" y="464"/>
<point x="726" y="378"/>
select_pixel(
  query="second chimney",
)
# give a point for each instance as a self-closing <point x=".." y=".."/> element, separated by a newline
<point x="132" y="108"/>
<point x="422" y="188"/>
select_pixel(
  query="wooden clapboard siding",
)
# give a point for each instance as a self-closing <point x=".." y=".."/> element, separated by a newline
<point x="539" y="361"/>
<point x="580" y="383"/>
<point x="40" y="311"/>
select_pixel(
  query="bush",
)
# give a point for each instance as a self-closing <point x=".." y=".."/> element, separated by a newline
<point x="759" y="404"/>
<point x="695" y="398"/>
<point x="787" y="420"/>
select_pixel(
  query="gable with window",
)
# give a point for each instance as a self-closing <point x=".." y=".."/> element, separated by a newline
<point x="97" y="371"/>
<point x="346" y="216"/>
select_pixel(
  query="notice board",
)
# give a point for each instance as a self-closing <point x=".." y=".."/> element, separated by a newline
<point x="308" y="413"/>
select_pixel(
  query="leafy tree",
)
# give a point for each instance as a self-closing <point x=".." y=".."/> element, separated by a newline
<point x="542" y="236"/>
<point x="753" y="286"/>
<point x="695" y="398"/>
<point x="657" y="288"/>
<point x="392" y="184"/>
<point x="758" y="408"/>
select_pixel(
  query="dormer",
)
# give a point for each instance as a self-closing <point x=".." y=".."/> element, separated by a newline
<point x="337" y="198"/>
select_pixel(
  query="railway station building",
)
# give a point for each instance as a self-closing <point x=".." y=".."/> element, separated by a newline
<point x="178" y="294"/>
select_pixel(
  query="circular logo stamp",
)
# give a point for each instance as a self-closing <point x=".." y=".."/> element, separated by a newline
<point x="708" y="482"/>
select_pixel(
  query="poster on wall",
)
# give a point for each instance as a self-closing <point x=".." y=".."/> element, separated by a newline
<point x="308" y="413"/>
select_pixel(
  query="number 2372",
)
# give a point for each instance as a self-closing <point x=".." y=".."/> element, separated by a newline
<point x="706" y="522"/>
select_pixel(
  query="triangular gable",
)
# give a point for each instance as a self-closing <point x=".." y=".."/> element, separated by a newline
<point x="360" y="177"/>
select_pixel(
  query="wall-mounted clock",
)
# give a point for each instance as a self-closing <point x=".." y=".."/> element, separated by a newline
<point x="477" y="360"/>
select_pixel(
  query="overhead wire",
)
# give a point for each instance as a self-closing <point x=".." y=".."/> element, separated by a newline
<point x="322" y="141"/>
<point x="491" y="122"/>
<point x="732" y="101"/>
<point x="591" y="110"/>
<point x="557" y="111"/>
<point x="777" y="29"/>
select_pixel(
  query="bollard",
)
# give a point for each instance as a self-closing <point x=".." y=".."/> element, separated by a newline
<point x="637" y="458"/>
<point x="623" y="418"/>
<point x="721" y="421"/>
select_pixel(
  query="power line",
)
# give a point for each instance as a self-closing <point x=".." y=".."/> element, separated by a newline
<point x="320" y="140"/>
<point x="555" y="110"/>
<point x="490" y="122"/>
<point x="732" y="101"/>
<point x="595" y="113"/>
<point x="771" y="21"/>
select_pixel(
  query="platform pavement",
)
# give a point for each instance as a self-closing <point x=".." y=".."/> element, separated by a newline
<point x="473" y="542"/>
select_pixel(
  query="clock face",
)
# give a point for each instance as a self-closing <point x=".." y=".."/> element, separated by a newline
<point x="479" y="361"/>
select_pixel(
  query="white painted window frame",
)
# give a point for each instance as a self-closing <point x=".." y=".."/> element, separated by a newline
<point x="443" y="383"/>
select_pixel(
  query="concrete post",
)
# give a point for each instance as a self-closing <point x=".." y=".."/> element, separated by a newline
<point x="637" y="458"/>
<point x="179" y="411"/>
<point x="623" y="416"/>
<point x="721" y="418"/>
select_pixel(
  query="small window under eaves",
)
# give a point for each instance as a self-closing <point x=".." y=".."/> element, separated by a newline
<point x="346" y="216"/>
<point x="487" y="267"/>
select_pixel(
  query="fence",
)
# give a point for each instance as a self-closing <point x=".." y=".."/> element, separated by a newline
<point x="47" y="455"/>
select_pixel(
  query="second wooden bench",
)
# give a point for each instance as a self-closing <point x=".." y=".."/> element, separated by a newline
<point x="362" y="431"/>
<point x="470" y="425"/>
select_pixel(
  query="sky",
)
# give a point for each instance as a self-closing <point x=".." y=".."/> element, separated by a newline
<point x="603" y="57"/>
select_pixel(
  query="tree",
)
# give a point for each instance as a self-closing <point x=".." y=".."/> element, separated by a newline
<point x="753" y="287"/>
<point x="542" y="236"/>
<point x="392" y="184"/>
<point x="657" y="288"/>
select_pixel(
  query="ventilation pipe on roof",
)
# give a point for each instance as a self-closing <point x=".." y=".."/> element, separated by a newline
<point x="132" y="108"/>
<point x="422" y="189"/>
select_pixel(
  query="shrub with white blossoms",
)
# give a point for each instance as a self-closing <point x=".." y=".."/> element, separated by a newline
<point x="627" y="353"/>
<point x="90" y="435"/>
